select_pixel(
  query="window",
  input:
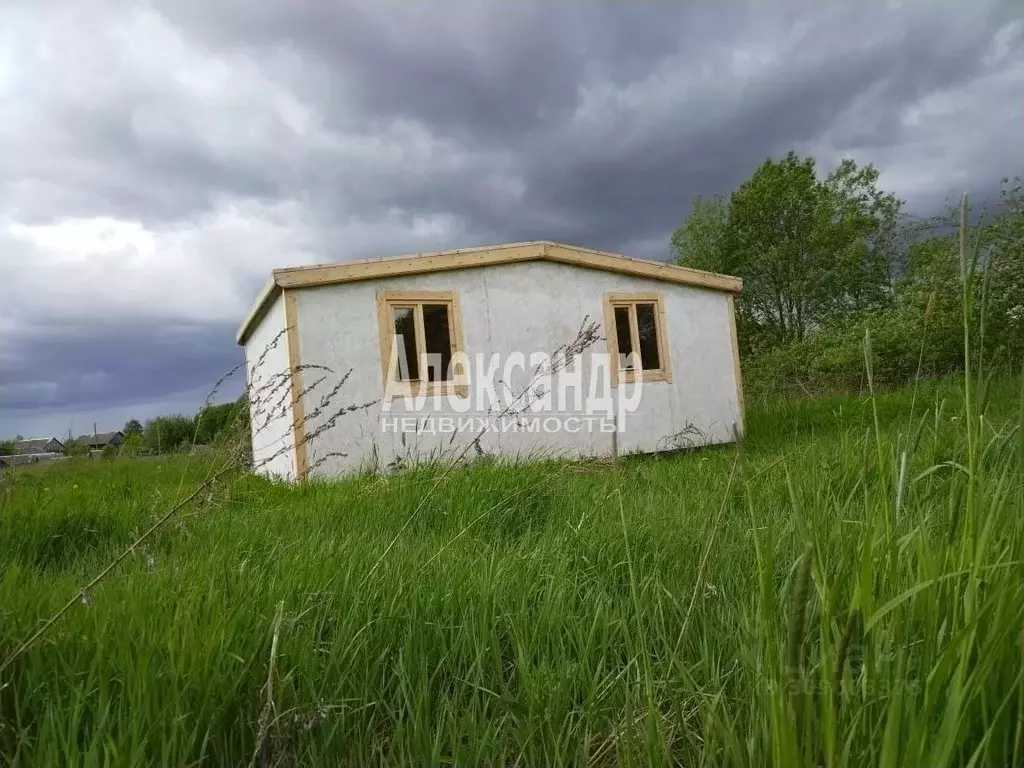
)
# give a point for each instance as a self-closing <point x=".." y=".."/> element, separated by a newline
<point x="419" y="336"/>
<point x="636" y="337"/>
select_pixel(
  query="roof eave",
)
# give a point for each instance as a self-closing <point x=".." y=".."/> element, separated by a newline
<point x="468" y="258"/>
<point x="657" y="270"/>
<point x="266" y="296"/>
<point x="414" y="264"/>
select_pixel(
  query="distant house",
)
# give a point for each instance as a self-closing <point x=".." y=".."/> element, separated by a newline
<point x="38" y="445"/>
<point x="100" y="441"/>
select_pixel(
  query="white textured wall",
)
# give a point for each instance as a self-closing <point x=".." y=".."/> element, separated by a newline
<point x="531" y="306"/>
<point x="270" y="395"/>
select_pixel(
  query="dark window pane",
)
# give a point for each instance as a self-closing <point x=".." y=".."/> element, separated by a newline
<point x="405" y="336"/>
<point x="437" y="335"/>
<point x="647" y="330"/>
<point x="624" y="337"/>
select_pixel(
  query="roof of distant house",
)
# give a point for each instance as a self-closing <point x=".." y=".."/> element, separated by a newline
<point x="101" y="439"/>
<point x="35" y="445"/>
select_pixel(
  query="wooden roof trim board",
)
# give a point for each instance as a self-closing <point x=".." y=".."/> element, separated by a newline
<point x="468" y="258"/>
<point x="263" y="301"/>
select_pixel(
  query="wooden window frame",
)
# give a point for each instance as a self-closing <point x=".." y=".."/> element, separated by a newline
<point x="386" y="301"/>
<point x="613" y="300"/>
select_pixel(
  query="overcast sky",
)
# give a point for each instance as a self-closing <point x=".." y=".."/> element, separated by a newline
<point x="157" y="160"/>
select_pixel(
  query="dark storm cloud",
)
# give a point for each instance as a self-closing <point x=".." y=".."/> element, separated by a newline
<point x="480" y="73"/>
<point x="505" y="86"/>
<point x="65" y="367"/>
<point x="502" y="86"/>
<point x="646" y="188"/>
<point x="104" y="164"/>
<point x="391" y="127"/>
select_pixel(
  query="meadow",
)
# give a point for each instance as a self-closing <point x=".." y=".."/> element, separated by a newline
<point x="844" y="588"/>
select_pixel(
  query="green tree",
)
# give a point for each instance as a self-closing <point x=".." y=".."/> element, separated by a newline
<point x="132" y="427"/>
<point x="6" y="447"/>
<point x="132" y="443"/>
<point x="214" y="420"/>
<point x="700" y="242"/>
<point x="808" y="249"/>
<point x="75" y="448"/>
<point x="931" y="272"/>
<point x="1004" y="262"/>
<point x="168" y="433"/>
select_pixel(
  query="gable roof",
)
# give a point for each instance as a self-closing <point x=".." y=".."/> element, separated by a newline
<point x="467" y="258"/>
<point x="37" y="445"/>
<point x="103" y="438"/>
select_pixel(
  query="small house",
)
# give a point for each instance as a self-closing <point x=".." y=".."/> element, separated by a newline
<point x="37" y="445"/>
<point x="520" y="350"/>
<point x="99" y="441"/>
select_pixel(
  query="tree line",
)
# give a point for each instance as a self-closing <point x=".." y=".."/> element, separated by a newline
<point x="826" y="259"/>
<point x="210" y="426"/>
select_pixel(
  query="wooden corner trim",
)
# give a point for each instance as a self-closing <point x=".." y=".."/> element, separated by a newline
<point x="291" y="321"/>
<point x="737" y="371"/>
<point x="611" y="342"/>
<point x="259" y="309"/>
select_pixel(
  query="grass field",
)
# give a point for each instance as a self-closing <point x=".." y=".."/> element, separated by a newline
<point x="809" y="600"/>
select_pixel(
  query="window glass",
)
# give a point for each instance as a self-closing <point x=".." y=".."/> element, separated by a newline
<point x="438" y="339"/>
<point x="647" y="331"/>
<point x="624" y="337"/>
<point x="405" y="339"/>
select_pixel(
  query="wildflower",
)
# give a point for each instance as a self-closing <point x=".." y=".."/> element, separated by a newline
<point x="85" y="598"/>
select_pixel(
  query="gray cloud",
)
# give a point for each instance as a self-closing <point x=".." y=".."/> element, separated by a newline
<point x="155" y="168"/>
<point x="63" y="367"/>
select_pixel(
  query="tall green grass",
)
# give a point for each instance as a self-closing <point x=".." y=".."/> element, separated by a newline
<point x="844" y="588"/>
<point x="549" y="613"/>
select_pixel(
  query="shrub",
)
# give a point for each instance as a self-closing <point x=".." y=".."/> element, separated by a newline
<point x="903" y="342"/>
<point x="165" y="433"/>
<point x="132" y="444"/>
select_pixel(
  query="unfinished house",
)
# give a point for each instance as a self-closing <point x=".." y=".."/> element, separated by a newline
<point x="520" y="350"/>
